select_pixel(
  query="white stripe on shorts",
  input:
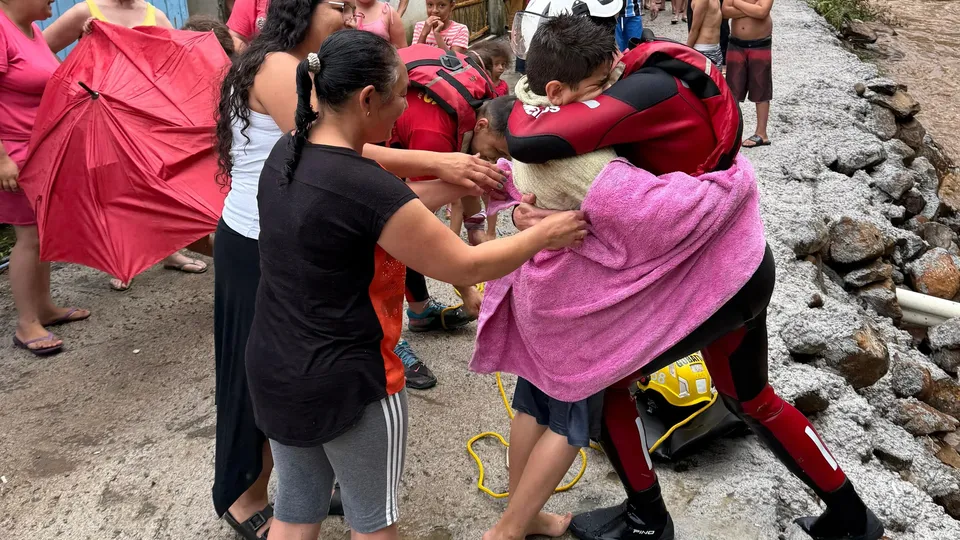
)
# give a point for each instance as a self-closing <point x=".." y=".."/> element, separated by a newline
<point x="393" y="417"/>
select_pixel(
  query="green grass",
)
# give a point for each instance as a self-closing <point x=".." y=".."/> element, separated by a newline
<point x="837" y="11"/>
<point x="6" y="240"/>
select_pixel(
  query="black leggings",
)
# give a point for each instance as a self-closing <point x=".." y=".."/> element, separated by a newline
<point x="416" y="286"/>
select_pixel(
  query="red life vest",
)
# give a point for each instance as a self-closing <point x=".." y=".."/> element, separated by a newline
<point x="671" y="111"/>
<point x="454" y="81"/>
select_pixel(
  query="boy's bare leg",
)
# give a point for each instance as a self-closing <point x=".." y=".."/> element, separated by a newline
<point x="763" y="114"/>
<point x="552" y="456"/>
<point x="524" y="434"/>
<point x="491" y="227"/>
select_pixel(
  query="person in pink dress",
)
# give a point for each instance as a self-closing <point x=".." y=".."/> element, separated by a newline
<point x="26" y="64"/>
<point x="381" y="19"/>
<point x="440" y="30"/>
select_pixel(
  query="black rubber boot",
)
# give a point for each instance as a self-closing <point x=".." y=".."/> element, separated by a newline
<point x="619" y="523"/>
<point x="642" y="515"/>
<point x="846" y="518"/>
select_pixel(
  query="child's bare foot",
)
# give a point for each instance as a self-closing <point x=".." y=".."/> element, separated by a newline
<point x="547" y="524"/>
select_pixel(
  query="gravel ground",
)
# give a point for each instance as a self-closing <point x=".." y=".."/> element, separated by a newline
<point x="114" y="437"/>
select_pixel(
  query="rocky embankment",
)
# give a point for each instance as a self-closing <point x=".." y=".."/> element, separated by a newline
<point x="858" y="201"/>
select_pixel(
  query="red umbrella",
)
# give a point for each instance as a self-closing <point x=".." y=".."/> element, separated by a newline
<point x="121" y="170"/>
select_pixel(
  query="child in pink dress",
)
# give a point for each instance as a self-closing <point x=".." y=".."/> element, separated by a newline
<point x="380" y="18"/>
<point x="439" y="30"/>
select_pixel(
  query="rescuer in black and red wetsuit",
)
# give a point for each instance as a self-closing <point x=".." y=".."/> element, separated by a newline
<point x="668" y="114"/>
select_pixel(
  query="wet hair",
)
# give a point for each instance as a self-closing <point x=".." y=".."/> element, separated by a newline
<point x="206" y="23"/>
<point x="488" y="51"/>
<point x="567" y="48"/>
<point x="497" y="112"/>
<point x="286" y="26"/>
<point x="349" y="61"/>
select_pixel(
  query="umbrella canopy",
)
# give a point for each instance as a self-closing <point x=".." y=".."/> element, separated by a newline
<point x="121" y="170"/>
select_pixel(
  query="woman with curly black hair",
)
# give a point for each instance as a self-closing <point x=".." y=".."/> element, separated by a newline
<point x="257" y="105"/>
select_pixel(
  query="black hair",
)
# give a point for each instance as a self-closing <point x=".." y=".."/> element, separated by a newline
<point x="207" y="23"/>
<point x="286" y="26"/>
<point x="488" y="51"/>
<point x="350" y="60"/>
<point x="497" y="112"/>
<point x="567" y="48"/>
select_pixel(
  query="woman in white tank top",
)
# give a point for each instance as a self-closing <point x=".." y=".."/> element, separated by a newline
<point x="257" y="104"/>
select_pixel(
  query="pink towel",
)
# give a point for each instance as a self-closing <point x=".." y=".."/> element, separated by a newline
<point x="664" y="254"/>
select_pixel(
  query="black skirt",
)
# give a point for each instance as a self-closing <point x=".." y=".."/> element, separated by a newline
<point x="239" y="446"/>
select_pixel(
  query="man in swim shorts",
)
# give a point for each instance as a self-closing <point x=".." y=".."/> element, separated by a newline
<point x="749" y="69"/>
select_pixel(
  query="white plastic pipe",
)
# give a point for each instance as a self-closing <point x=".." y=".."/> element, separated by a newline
<point x="921" y="319"/>
<point x="924" y="303"/>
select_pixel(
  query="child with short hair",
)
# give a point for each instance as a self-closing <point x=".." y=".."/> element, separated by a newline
<point x="557" y="76"/>
<point x="440" y="30"/>
<point x="569" y="59"/>
<point x="206" y="23"/>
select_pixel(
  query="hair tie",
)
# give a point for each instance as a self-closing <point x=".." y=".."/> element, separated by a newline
<point x="313" y="63"/>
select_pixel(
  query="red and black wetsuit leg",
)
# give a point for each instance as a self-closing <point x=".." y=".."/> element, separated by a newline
<point x="734" y="345"/>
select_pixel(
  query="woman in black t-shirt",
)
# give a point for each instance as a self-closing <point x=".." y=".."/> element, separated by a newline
<point x="336" y="232"/>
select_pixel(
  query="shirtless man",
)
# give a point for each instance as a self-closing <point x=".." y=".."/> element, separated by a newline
<point x="748" y="59"/>
<point x="704" y="34"/>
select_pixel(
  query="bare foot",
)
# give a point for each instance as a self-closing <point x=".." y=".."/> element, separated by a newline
<point x="118" y="285"/>
<point x="547" y="524"/>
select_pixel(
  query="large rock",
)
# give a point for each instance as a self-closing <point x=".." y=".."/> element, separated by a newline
<point x="899" y="150"/>
<point x="883" y="85"/>
<point x="910" y="379"/>
<point x="863" y="363"/>
<point x="949" y="456"/>
<point x="921" y="419"/>
<point x="893" y="446"/>
<point x="945" y="397"/>
<point x="936" y="273"/>
<point x="911" y="132"/>
<point x="936" y="154"/>
<point x="914" y="202"/>
<point x="874" y="272"/>
<point x="939" y="235"/>
<point x="858" y="31"/>
<point x="841" y="336"/>
<point x="946" y="335"/>
<point x="882" y="298"/>
<point x="811" y="402"/>
<point x="894" y="180"/>
<point x="807" y="236"/>
<point x="902" y="104"/>
<point x="882" y="122"/>
<point x="949" y="191"/>
<point x="947" y="359"/>
<point x="859" y="154"/>
<point x="853" y="241"/>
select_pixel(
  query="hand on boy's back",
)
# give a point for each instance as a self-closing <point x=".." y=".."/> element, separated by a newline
<point x="526" y="215"/>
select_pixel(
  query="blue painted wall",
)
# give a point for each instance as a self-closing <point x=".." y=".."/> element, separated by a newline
<point x="176" y="11"/>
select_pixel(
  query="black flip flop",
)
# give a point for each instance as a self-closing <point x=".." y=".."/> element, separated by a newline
<point x="756" y="140"/>
<point x="248" y="529"/>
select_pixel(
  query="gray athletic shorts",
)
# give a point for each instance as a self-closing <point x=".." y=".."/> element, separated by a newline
<point x="367" y="461"/>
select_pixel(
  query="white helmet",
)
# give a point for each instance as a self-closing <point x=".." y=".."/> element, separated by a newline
<point x="526" y="22"/>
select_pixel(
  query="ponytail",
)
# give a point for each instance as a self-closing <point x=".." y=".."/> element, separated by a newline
<point x="304" y="116"/>
<point x="348" y="61"/>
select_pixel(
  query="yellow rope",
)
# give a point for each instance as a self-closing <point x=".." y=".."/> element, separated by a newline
<point x="476" y="458"/>
<point x="681" y="424"/>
